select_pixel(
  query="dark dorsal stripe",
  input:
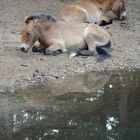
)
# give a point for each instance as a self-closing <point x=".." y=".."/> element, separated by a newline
<point x="40" y="16"/>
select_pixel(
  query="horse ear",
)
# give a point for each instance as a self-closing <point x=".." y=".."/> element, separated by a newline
<point x="26" y="18"/>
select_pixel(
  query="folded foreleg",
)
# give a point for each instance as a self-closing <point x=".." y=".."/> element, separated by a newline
<point x="55" y="49"/>
<point x="105" y="21"/>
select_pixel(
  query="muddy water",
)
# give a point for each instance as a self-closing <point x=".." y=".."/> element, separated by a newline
<point x="100" y="106"/>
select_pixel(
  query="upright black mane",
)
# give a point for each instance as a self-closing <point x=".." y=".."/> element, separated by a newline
<point x="41" y="17"/>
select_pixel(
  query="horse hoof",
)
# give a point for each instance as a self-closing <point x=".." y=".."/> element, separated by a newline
<point x="72" y="55"/>
<point x="103" y="57"/>
<point x="110" y="21"/>
<point x="54" y="53"/>
<point x="80" y="52"/>
<point x="103" y="23"/>
<point x="34" y="49"/>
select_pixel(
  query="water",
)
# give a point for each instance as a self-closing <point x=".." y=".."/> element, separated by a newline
<point x="92" y="106"/>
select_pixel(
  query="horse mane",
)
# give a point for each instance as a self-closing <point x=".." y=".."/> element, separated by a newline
<point x="44" y="17"/>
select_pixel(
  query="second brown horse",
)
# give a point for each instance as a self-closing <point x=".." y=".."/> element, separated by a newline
<point x="93" y="11"/>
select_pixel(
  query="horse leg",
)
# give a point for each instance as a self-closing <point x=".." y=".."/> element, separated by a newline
<point x="103" y="54"/>
<point x="81" y="52"/>
<point x="98" y="51"/>
<point x="96" y="38"/>
<point x="39" y="48"/>
<point x="105" y="21"/>
<point x="54" y="50"/>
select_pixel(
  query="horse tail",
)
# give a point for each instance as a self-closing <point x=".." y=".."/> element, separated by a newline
<point x="103" y="51"/>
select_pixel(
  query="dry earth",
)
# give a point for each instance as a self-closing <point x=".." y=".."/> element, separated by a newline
<point x="17" y="68"/>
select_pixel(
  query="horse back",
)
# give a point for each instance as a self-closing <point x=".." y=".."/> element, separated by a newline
<point x="81" y="12"/>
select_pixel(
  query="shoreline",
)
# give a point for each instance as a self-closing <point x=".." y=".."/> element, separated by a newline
<point x="11" y="86"/>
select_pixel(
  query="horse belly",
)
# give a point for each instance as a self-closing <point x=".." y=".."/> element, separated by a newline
<point x="94" y="17"/>
<point x="74" y="43"/>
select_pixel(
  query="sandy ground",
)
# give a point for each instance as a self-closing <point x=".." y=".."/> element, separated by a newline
<point x="18" y="68"/>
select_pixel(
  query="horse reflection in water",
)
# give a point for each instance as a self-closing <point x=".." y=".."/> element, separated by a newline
<point x="38" y="95"/>
<point x="61" y="37"/>
<point x="56" y="111"/>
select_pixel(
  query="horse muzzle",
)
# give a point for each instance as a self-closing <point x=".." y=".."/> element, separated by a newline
<point x="123" y="15"/>
<point x="24" y="47"/>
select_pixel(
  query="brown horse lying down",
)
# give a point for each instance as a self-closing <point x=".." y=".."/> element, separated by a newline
<point x="93" y="11"/>
<point x="61" y="37"/>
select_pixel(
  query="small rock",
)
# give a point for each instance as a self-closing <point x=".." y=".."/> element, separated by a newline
<point x="24" y="65"/>
<point x="37" y="71"/>
<point x="107" y="27"/>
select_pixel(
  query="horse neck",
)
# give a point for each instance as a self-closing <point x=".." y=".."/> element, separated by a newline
<point x="104" y="5"/>
<point x="42" y="28"/>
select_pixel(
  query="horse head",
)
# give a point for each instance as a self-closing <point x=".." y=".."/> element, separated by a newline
<point x="30" y="33"/>
<point x="119" y="9"/>
<point x="29" y="36"/>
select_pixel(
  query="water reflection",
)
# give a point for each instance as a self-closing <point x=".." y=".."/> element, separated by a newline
<point x="85" y="107"/>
